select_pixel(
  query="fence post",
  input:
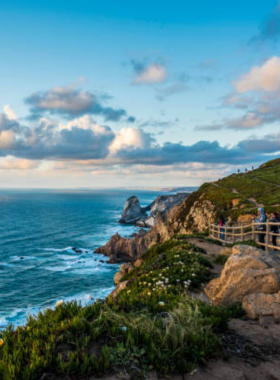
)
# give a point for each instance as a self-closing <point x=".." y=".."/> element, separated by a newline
<point x="242" y="232"/>
<point x="225" y="233"/>
<point x="267" y="235"/>
<point x="253" y="230"/>
<point x="218" y="231"/>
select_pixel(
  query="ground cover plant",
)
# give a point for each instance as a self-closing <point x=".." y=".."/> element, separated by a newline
<point x="152" y="324"/>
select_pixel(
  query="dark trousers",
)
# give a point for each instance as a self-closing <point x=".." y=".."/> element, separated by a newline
<point x="262" y="240"/>
<point x="274" y="241"/>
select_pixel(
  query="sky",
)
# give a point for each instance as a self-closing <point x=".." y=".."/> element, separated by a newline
<point x="136" y="94"/>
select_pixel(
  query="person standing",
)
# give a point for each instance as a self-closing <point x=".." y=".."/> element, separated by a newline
<point x="274" y="218"/>
<point x="222" y="223"/>
<point x="261" y="227"/>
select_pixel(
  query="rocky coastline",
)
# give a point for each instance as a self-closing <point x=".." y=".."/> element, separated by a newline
<point x="128" y="249"/>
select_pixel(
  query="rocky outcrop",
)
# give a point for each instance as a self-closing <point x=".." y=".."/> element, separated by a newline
<point x="122" y="249"/>
<point x="124" y="269"/>
<point x="248" y="270"/>
<point x="262" y="305"/>
<point x="193" y="216"/>
<point x="132" y="211"/>
<point x="164" y="203"/>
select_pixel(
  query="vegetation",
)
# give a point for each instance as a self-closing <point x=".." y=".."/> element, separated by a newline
<point x="152" y="324"/>
<point x="221" y="259"/>
<point x="235" y="195"/>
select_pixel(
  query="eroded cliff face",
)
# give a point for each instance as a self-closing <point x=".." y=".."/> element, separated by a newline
<point x="193" y="217"/>
<point x="121" y="249"/>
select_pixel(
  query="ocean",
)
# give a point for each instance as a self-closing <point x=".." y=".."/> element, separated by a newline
<point x="47" y="243"/>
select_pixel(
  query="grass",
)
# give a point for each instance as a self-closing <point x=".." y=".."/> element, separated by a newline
<point x="152" y="324"/>
<point x="262" y="184"/>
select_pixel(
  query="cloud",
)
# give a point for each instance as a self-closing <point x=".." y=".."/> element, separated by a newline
<point x="70" y="101"/>
<point x="130" y="139"/>
<point x="155" y="123"/>
<point x="9" y="112"/>
<point x="270" y="29"/>
<point x="148" y="74"/>
<point x="257" y="94"/>
<point x="12" y="163"/>
<point x="46" y="140"/>
<point x="85" y="142"/>
<point x="163" y="93"/>
<point x="261" y="78"/>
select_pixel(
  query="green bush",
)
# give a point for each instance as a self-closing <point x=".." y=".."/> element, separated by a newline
<point x="152" y="324"/>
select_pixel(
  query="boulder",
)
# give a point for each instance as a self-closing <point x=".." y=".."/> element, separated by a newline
<point x="121" y="286"/>
<point x="138" y="263"/>
<point x="132" y="211"/>
<point x="150" y="222"/>
<point x="117" y="278"/>
<point x="126" y="268"/>
<point x="248" y="270"/>
<point x="260" y="304"/>
<point x="141" y="223"/>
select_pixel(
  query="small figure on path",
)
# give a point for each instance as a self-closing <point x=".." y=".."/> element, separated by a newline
<point x="222" y="223"/>
<point x="261" y="227"/>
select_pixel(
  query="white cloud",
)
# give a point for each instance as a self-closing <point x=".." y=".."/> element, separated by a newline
<point x="129" y="137"/>
<point x="11" y="115"/>
<point x="84" y="122"/>
<point x="261" y="78"/>
<point x="7" y="139"/>
<point x="154" y="73"/>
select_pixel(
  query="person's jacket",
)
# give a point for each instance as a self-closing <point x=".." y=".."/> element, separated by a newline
<point x="274" y="228"/>
<point x="261" y="219"/>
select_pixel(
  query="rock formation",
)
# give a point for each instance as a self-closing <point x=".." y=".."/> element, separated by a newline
<point x="247" y="271"/>
<point x="132" y="211"/>
<point x="260" y="304"/>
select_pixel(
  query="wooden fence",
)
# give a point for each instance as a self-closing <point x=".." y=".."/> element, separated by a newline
<point x="247" y="231"/>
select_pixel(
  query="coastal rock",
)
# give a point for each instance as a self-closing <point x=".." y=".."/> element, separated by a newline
<point x="138" y="263"/>
<point x="132" y="211"/>
<point x="164" y="203"/>
<point x="248" y="270"/>
<point x="121" y="286"/>
<point x="141" y="223"/>
<point x="124" y="269"/>
<point x="121" y="249"/>
<point x="259" y="305"/>
<point x="150" y="222"/>
<point x="117" y="278"/>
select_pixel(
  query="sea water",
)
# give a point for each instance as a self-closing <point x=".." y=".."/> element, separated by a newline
<point x="47" y="243"/>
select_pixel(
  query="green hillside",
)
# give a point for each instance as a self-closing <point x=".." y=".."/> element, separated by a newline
<point x="236" y="195"/>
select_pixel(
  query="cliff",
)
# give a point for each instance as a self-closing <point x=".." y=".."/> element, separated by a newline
<point x="237" y="197"/>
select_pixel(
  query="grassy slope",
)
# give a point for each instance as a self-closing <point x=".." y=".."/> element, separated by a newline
<point x="153" y="324"/>
<point x="262" y="184"/>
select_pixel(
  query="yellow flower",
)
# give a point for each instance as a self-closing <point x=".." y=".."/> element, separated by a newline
<point x="149" y="293"/>
<point x="59" y="303"/>
<point x="1" y="342"/>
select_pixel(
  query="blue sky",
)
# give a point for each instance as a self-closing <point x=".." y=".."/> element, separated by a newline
<point x="155" y="93"/>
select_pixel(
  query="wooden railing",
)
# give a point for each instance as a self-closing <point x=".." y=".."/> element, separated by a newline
<point x="247" y="231"/>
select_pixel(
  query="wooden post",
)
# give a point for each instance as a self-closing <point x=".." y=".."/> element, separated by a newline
<point x="253" y="230"/>
<point x="218" y="231"/>
<point x="267" y="236"/>
<point x="242" y="232"/>
<point x="225" y="233"/>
